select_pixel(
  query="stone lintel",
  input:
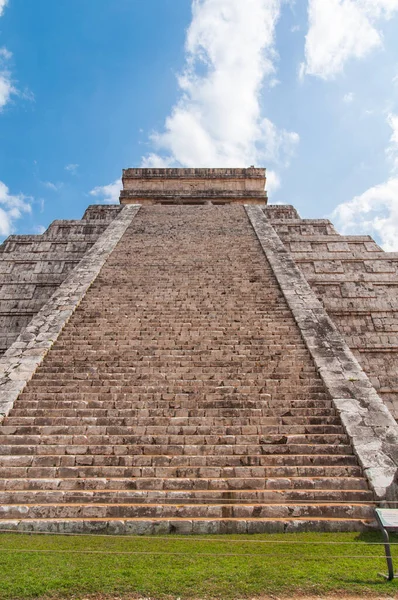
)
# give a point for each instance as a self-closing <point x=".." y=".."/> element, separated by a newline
<point x="20" y="361"/>
<point x="193" y="186"/>
<point x="372" y="430"/>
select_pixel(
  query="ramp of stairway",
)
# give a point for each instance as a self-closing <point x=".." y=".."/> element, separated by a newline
<point x="180" y="397"/>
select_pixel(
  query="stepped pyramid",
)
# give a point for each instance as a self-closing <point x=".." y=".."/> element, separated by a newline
<point x="196" y="361"/>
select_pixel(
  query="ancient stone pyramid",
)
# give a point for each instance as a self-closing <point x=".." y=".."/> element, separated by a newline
<point x="196" y="361"/>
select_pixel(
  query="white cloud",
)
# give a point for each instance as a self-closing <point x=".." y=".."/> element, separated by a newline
<point x="5" y="54"/>
<point x="392" y="150"/>
<point x="6" y="87"/>
<point x="3" y="4"/>
<point x="273" y="181"/>
<point x="55" y="187"/>
<point x="11" y="209"/>
<point x="376" y="210"/>
<point x="39" y="229"/>
<point x="217" y="121"/>
<point x="72" y="168"/>
<point x="109" y="194"/>
<point x="340" y="30"/>
<point x="348" y="98"/>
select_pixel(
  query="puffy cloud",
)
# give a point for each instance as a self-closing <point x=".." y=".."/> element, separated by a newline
<point x="3" y="4"/>
<point x="6" y="87"/>
<point x="109" y="194"/>
<point x="376" y="210"/>
<point x="217" y="121"/>
<point x="392" y="150"/>
<point x="340" y="30"/>
<point x="11" y="209"/>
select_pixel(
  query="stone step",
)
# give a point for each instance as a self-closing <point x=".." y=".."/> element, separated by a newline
<point x="208" y="431"/>
<point x="180" y="397"/>
<point x="89" y="437"/>
<point x="175" y="386"/>
<point x="185" y="484"/>
<point x="185" y="511"/>
<point x="127" y="371"/>
<point x="196" y="526"/>
<point x="126" y="375"/>
<point x="169" y="414"/>
<point x="60" y="494"/>
<point x="85" y="468"/>
<point x="158" y="422"/>
<point x="177" y="450"/>
<point x="34" y="456"/>
<point x="172" y="408"/>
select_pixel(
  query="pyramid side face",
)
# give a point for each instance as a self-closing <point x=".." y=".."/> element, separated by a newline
<point x="187" y="375"/>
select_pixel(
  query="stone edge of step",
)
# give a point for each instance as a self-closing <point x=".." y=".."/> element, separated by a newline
<point x="152" y="526"/>
<point x="21" y="360"/>
<point x="372" y="430"/>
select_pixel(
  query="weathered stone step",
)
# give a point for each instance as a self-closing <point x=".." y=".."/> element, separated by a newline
<point x="200" y="410"/>
<point x="11" y="428"/>
<point x="60" y="494"/>
<point x="34" y="456"/>
<point x="217" y="483"/>
<point x="197" y="526"/>
<point x="157" y="414"/>
<point x="186" y="365"/>
<point x="91" y="438"/>
<point x="127" y="371"/>
<point x="169" y="384"/>
<point x="185" y="511"/>
<point x="14" y="468"/>
<point x="244" y="408"/>
<point x="81" y="447"/>
<point x="158" y="422"/>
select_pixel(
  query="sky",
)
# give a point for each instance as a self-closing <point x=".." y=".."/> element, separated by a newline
<point x="306" y="88"/>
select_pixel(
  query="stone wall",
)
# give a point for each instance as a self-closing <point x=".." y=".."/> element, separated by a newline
<point x="357" y="283"/>
<point x="33" y="266"/>
<point x="193" y="186"/>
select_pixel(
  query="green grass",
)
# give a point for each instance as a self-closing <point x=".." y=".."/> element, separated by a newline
<point x="192" y="568"/>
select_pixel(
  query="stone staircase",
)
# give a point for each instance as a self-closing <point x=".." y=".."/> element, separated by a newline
<point x="180" y="397"/>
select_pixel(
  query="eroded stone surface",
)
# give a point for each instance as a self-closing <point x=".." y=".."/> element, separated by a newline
<point x="33" y="266"/>
<point x="357" y="284"/>
<point x="180" y="397"/>
<point x="369" y="424"/>
<point x="193" y="186"/>
<point x="20" y="361"/>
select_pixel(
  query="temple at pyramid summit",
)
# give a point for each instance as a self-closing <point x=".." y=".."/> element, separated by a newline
<point x="194" y="360"/>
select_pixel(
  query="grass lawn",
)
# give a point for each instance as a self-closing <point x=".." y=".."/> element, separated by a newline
<point x="227" y="567"/>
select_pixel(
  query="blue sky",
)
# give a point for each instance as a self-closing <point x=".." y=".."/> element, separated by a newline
<point x="308" y="89"/>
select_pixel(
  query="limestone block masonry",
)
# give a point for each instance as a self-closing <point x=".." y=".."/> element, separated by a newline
<point x="193" y="186"/>
<point x="179" y="397"/>
<point x="182" y="363"/>
<point x="370" y="426"/>
<point x="21" y="360"/>
<point x="357" y="283"/>
<point x="33" y="266"/>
